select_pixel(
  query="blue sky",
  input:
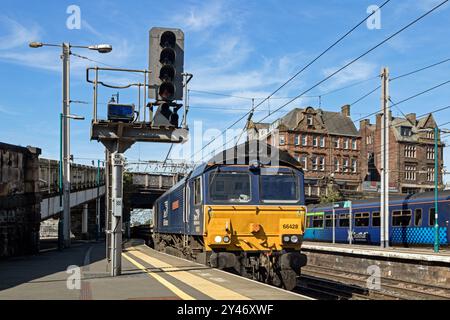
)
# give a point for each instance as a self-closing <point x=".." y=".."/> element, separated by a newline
<point x="243" y="48"/>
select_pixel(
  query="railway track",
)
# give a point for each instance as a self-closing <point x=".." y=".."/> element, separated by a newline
<point x="326" y="283"/>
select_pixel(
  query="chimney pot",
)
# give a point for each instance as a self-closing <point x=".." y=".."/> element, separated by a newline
<point x="345" y="110"/>
<point x="412" y="118"/>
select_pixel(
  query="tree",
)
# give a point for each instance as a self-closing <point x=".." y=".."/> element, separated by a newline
<point x="333" y="194"/>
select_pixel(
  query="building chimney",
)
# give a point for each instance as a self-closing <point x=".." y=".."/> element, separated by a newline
<point x="411" y="118"/>
<point x="364" y="123"/>
<point x="345" y="110"/>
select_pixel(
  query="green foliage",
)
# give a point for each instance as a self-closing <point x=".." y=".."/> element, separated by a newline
<point x="334" y="195"/>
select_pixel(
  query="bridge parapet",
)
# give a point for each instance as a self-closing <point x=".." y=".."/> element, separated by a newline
<point x="82" y="177"/>
<point x="155" y="181"/>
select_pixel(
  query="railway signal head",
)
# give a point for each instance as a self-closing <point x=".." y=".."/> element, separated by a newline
<point x="166" y="64"/>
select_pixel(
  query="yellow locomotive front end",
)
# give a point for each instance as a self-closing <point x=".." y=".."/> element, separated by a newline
<point x="254" y="222"/>
<point x="254" y="228"/>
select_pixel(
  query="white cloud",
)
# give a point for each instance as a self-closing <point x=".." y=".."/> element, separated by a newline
<point x="204" y="17"/>
<point x="8" y="112"/>
<point x="86" y="25"/>
<point x="17" y="34"/>
<point x="358" y="71"/>
<point x="47" y="60"/>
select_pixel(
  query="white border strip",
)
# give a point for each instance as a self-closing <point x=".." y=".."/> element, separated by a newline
<point x="380" y="253"/>
<point x="238" y="276"/>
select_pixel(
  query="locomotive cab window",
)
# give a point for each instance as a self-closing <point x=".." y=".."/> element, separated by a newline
<point x="401" y="218"/>
<point x="280" y="187"/>
<point x="230" y="187"/>
<point x="197" y="192"/>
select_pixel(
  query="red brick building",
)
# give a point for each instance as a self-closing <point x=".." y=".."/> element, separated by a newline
<point x="411" y="154"/>
<point x="327" y="144"/>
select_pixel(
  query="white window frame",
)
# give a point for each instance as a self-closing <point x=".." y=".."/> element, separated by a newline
<point x="338" y="140"/>
<point x="315" y="163"/>
<point x="304" y="139"/>
<point x="315" y="141"/>
<point x="297" y="139"/>
<point x="304" y="162"/>
<point x="337" y="168"/>
<point x="346" y="165"/>
<point x="346" y="143"/>
<point x="322" y="141"/>
<point x="322" y="163"/>
<point x="282" y="138"/>
<point x="354" y="165"/>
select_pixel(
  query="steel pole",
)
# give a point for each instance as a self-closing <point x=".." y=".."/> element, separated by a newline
<point x="116" y="217"/>
<point x="97" y="203"/>
<point x="384" y="201"/>
<point x="66" y="142"/>
<point x="334" y="224"/>
<point x="60" y="185"/>
<point x="436" y="185"/>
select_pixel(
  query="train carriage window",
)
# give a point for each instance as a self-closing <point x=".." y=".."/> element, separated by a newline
<point x="318" y="221"/>
<point x="431" y="217"/>
<point x="197" y="192"/>
<point x="418" y="217"/>
<point x="230" y="187"/>
<point x="329" y="221"/>
<point x="401" y="218"/>
<point x="375" y="219"/>
<point x="344" y="220"/>
<point x="362" y="219"/>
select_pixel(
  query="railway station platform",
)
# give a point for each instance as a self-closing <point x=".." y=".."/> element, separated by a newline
<point x="146" y="275"/>
<point x="419" y="254"/>
<point x="406" y="265"/>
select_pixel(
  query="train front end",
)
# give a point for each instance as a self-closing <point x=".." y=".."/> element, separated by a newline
<point x="254" y="219"/>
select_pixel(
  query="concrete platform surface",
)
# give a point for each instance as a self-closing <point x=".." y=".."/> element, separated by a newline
<point x="421" y="254"/>
<point x="146" y="275"/>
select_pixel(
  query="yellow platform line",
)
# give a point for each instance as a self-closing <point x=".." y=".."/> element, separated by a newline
<point x="183" y="295"/>
<point x="207" y="287"/>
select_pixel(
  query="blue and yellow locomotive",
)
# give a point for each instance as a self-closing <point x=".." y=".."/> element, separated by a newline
<point x="240" y="211"/>
<point x="411" y="221"/>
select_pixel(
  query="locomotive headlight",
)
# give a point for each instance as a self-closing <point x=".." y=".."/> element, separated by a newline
<point x="218" y="239"/>
<point x="226" y="239"/>
<point x="294" y="239"/>
<point x="286" y="239"/>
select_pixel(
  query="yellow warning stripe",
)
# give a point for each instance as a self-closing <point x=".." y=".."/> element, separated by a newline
<point x="207" y="287"/>
<point x="160" y="279"/>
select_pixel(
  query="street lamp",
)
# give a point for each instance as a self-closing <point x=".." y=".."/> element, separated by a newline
<point x="436" y="131"/>
<point x="65" y="124"/>
<point x="64" y="223"/>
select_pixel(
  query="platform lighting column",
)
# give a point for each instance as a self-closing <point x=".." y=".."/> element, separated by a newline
<point x="436" y="185"/>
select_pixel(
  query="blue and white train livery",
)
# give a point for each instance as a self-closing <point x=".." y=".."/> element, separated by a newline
<point x="411" y="221"/>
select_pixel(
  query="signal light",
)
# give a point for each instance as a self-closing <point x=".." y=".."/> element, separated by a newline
<point x="166" y="64"/>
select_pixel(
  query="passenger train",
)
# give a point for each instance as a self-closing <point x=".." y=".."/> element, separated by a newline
<point x="239" y="211"/>
<point x="411" y="221"/>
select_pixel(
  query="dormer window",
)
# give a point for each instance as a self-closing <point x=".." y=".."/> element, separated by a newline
<point x="405" y="131"/>
<point x="309" y="120"/>
<point x="430" y="134"/>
